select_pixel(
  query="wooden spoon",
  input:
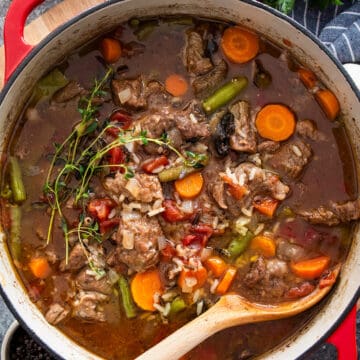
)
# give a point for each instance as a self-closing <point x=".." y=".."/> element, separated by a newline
<point x="230" y="310"/>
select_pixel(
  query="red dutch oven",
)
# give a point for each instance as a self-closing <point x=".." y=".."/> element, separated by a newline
<point x="26" y="64"/>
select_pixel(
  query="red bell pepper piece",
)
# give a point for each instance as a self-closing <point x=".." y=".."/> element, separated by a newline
<point x="172" y="213"/>
<point x="167" y="253"/>
<point x="121" y="121"/>
<point x="107" y="225"/>
<point x="117" y="157"/>
<point x="150" y="166"/>
<point x="100" y="208"/>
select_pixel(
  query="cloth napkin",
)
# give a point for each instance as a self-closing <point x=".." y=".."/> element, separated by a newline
<point x="338" y="27"/>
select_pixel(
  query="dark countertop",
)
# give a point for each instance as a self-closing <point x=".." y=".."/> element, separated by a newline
<point x="324" y="352"/>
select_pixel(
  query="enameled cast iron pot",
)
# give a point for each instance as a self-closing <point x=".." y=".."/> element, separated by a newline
<point x="26" y="64"/>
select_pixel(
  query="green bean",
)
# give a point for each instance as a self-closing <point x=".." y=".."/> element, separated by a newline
<point x="145" y="29"/>
<point x="238" y="245"/>
<point x="16" y="183"/>
<point x="175" y="172"/>
<point x="177" y="305"/>
<point x="15" y="240"/>
<point x="225" y="94"/>
<point x="127" y="301"/>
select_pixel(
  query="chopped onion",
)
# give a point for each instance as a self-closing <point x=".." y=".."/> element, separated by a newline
<point x="206" y="252"/>
<point x="187" y="206"/>
<point x="113" y="276"/>
<point x="124" y="95"/>
<point x="127" y="239"/>
<point x="133" y="187"/>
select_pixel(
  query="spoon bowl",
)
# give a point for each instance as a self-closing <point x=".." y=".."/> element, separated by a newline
<point x="230" y="310"/>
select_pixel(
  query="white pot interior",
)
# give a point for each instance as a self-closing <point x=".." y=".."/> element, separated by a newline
<point x="103" y="19"/>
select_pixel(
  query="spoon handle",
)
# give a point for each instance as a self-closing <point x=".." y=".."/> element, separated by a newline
<point x="184" y="339"/>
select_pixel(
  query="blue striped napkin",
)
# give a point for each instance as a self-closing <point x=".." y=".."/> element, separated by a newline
<point x="338" y="27"/>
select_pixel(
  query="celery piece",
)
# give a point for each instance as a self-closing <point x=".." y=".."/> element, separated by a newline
<point x="177" y="305"/>
<point x="225" y="94"/>
<point x="49" y="84"/>
<point x="175" y="172"/>
<point x="15" y="230"/>
<point x="238" y="245"/>
<point x="16" y="183"/>
<point x="127" y="301"/>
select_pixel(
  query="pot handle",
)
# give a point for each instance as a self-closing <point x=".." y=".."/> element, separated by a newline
<point x="344" y="337"/>
<point x="16" y="48"/>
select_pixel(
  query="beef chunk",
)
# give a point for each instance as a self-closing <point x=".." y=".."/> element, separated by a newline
<point x="334" y="214"/>
<point x="204" y="84"/>
<point x="88" y="306"/>
<point x="57" y="313"/>
<point x="71" y="90"/>
<point x="256" y="273"/>
<point x="129" y="93"/>
<point x="194" y="58"/>
<point x="268" y="146"/>
<point x="190" y="123"/>
<point x="137" y="240"/>
<point x="87" y="280"/>
<point x="143" y="187"/>
<point x="291" y="158"/>
<point x="244" y="138"/>
<point x="308" y="129"/>
<point x="77" y="259"/>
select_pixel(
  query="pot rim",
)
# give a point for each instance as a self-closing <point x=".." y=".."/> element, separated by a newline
<point x="51" y="36"/>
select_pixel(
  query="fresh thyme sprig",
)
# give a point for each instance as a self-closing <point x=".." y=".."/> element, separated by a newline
<point x="85" y="161"/>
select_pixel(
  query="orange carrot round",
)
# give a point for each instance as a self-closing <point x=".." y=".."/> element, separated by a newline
<point x="190" y="186"/>
<point x="226" y="281"/>
<point x="216" y="265"/>
<point x="307" y="77"/>
<point x="310" y="269"/>
<point x="328" y="102"/>
<point x="143" y="288"/>
<point x="176" y="85"/>
<point x="264" y="245"/>
<point x="40" y="267"/>
<point x="110" y="50"/>
<point x="239" y="45"/>
<point x="275" y="122"/>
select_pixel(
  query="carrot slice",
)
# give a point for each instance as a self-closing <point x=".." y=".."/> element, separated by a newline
<point x="40" y="267"/>
<point x="239" y="45"/>
<point x="307" y="77"/>
<point x="275" y="122"/>
<point x="176" y="85"/>
<point x="264" y="245"/>
<point x="216" y="265"/>
<point x="236" y="191"/>
<point x="328" y="102"/>
<point x="310" y="269"/>
<point x="190" y="186"/>
<point x="190" y="280"/>
<point x="110" y="50"/>
<point x="226" y="281"/>
<point x="143" y="288"/>
<point x="266" y="206"/>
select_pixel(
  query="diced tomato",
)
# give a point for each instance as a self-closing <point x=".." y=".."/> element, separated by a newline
<point x="117" y="157"/>
<point x="172" y="213"/>
<point x="122" y="118"/>
<point x="301" y="290"/>
<point x="100" y="208"/>
<point x="191" y="238"/>
<point x="107" y="225"/>
<point x="167" y="253"/>
<point x="153" y="164"/>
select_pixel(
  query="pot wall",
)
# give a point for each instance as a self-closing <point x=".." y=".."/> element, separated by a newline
<point x="103" y="18"/>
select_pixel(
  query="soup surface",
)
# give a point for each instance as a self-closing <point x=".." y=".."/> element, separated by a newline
<point x="166" y="164"/>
